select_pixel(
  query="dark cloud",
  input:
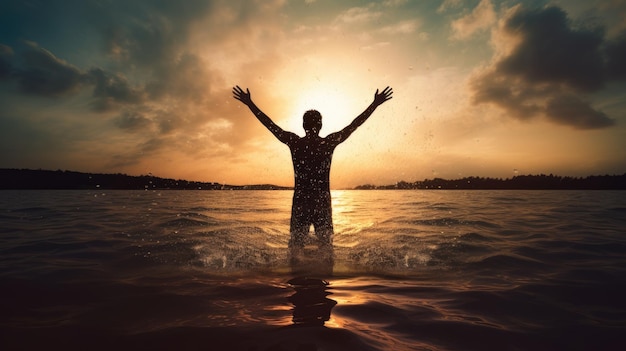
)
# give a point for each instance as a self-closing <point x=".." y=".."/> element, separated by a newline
<point x="521" y="103"/>
<point x="133" y="121"/>
<point x="144" y="44"/>
<point x="551" y="51"/>
<point x="150" y="34"/>
<point x="553" y="66"/>
<point x="112" y="88"/>
<point x="39" y="72"/>
<point x="574" y="112"/>
<point x="616" y="57"/>
<point x="6" y="54"/>
<point x="44" y="74"/>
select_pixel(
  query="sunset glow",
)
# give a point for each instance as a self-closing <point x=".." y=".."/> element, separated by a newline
<point x="144" y="87"/>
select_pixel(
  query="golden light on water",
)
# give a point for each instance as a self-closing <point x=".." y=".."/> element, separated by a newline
<point x="348" y="218"/>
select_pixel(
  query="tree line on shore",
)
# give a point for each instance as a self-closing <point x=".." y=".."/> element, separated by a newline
<point x="534" y="182"/>
<point x="46" y="179"/>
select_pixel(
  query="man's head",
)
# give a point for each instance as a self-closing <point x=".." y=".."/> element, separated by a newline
<point x="312" y="121"/>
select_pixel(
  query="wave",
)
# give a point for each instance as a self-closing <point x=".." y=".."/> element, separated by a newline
<point x="186" y="223"/>
<point x="194" y="269"/>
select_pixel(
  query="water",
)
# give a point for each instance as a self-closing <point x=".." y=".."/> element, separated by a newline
<point x="412" y="270"/>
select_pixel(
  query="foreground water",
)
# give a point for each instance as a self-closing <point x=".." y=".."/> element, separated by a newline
<point x="412" y="270"/>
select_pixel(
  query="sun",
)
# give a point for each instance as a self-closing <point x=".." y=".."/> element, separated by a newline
<point x="338" y="108"/>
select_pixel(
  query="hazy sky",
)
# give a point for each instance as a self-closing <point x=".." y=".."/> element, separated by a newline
<point x="484" y="87"/>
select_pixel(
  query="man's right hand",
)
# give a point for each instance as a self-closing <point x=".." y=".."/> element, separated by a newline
<point x="243" y="96"/>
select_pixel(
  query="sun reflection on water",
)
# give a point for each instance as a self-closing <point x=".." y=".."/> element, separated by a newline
<point x="348" y="219"/>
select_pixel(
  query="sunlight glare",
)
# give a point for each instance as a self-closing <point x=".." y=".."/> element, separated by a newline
<point x="338" y="108"/>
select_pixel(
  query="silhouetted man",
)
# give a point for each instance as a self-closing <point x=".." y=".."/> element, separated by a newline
<point x="311" y="156"/>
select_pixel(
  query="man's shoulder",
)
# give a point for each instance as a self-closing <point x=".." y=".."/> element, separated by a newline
<point x="290" y="138"/>
<point x="333" y="138"/>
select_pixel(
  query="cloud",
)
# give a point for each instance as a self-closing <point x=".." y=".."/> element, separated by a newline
<point x="616" y="56"/>
<point x="144" y="43"/>
<point x="187" y="77"/>
<point x="574" y="112"/>
<point x="403" y="27"/>
<point x="131" y="158"/>
<point x="112" y="88"/>
<point x="358" y="15"/>
<point x="173" y="51"/>
<point x="544" y="66"/>
<point x="553" y="52"/>
<point x="449" y="4"/>
<point x="44" y="74"/>
<point x="147" y="34"/>
<point x="132" y="121"/>
<point x="6" y="54"/>
<point x="481" y="18"/>
<point x="157" y="78"/>
<point x="39" y="72"/>
<point x="376" y="46"/>
<point x="393" y="3"/>
<point x="519" y="99"/>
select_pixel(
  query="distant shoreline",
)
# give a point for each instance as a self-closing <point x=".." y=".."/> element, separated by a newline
<point x="520" y="182"/>
<point x="71" y="180"/>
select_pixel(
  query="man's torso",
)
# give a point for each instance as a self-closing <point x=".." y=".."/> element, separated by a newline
<point x="312" y="157"/>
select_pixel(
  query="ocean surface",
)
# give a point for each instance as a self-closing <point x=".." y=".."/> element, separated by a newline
<point x="410" y="270"/>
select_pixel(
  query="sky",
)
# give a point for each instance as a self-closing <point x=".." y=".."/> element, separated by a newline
<point x="483" y="88"/>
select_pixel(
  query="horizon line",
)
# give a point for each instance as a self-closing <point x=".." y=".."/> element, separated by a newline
<point x="401" y="184"/>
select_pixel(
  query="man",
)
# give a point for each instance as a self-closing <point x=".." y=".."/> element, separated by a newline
<point x="311" y="156"/>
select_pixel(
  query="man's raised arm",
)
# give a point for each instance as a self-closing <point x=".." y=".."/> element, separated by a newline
<point x="379" y="99"/>
<point x="246" y="99"/>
